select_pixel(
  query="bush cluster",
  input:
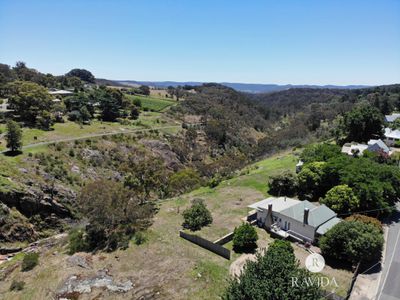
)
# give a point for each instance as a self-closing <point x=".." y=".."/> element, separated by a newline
<point x="245" y="238"/>
<point x="29" y="261"/>
<point x="197" y="216"/>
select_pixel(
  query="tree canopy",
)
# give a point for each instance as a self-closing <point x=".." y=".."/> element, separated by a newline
<point x="245" y="238"/>
<point x="196" y="216"/>
<point x="375" y="186"/>
<point x="82" y="74"/>
<point x="270" y="277"/>
<point x="14" y="136"/>
<point x="353" y="241"/>
<point x="313" y="181"/>
<point x="144" y="90"/>
<point x="114" y="213"/>
<point x="319" y="152"/>
<point x="363" y="123"/>
<point x="285" y="184"/>
<point x="29" y="100"/>
<point x="341" y="199"/>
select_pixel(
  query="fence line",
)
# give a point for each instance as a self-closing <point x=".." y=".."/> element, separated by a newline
<point x="206" y="244"/>
<point x="225" y="239"/>
<point x="353" y="281"/>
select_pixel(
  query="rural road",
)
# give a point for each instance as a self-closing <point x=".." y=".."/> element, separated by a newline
<point x="93" y="136"/>
<point x="389" y="288"/>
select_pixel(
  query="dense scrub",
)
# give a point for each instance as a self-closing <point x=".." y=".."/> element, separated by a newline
<point x="348" y="184"/>
<point x="230" y="129"/>
<point x="271" y="275"/>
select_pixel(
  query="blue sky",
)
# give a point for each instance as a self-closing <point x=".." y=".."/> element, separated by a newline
<point x="288" y="41"/>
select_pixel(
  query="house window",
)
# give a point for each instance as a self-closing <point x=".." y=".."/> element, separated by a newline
<point x="288" y="226"/>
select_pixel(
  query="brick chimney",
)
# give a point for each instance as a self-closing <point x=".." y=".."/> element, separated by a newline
<point x="305" y="219"/>
<point x="269" y="221"/>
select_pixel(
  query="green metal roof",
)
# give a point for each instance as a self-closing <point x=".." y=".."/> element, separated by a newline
<point x="328" y="225"/>
<point x="317" y="214"/>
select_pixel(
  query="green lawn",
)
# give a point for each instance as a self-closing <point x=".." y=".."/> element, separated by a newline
<point x="185" y="270"/>
<point x="74" y="130"/>
<point x="153" y="103"/>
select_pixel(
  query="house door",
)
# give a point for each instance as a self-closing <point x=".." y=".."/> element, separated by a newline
<point x="285" y="227"/>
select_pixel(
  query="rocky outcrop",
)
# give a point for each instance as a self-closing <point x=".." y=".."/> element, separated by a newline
<point x="14" y="226"/>
<point x="164" y="151"/>
<point x="44" y="200"/>
<point x="76" y="285"/>
<point x="48" y="204"/>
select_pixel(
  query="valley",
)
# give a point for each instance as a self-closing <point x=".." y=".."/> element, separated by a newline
<point x="96" y="186"/>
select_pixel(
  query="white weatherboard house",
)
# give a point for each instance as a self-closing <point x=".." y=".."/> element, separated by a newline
<point x="392" y="136"/>
<point x="358" y="149"/>
<point x="56" y="92"/>
<point x="301" y="220"/>
<point x="391" y="118"/>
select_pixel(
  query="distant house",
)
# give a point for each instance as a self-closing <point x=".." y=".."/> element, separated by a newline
<point x="391" y="118"/>
<point x="299" y="166"/>
<point x="392" y="136"/>
<point x="300" y="220"/>
<point x="60" y="93"/>
<point x="378" y="145"/>
<point x="4" y="107"/>
<point x="358" y="149"/>
<point x="354" y="149"/>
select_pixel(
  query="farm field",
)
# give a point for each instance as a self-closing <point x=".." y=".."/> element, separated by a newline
<point x="167" y="265"/>
<point x="74" y="130"/>
<point x="153" y="103"/>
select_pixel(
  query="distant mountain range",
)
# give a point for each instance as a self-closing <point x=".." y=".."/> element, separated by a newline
<point x="243" y="87"/>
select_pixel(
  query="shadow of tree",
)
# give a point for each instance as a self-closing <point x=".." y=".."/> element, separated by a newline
<point x="251" y="249"/>
<point x="12" y="153"/>
<point x="394" y="218"/>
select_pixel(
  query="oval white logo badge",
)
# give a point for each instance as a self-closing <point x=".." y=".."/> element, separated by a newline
<point x="315" y="263"/>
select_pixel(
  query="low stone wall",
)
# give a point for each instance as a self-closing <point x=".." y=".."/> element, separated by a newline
<point x="225" y="239"/>
<point x="331" y="296"/>
<point x="252" y="216"/>
<point x="206" y="244"/>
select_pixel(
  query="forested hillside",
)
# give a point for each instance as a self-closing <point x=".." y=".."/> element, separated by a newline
<point x="222" y="131"/>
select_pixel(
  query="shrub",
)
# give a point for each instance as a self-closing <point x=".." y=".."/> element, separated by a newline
<point x="134" y="113"/>
<point x="353" y="241"/>
<point x="270" y="277"/>
<point x="14" y="136"/>
<point x="140" y="238"/>
<point x="114" y="213"/>
<point x="319" y="152"/>
<point x="397" y="144"/>
<point x="196" y="216"/>
<point x="312" y="181"/>
<point x="17" y="285"/>
<point x="283" y="185"/>
<point x="74" y="115"/>
<point x="245" y="238"/>
<point x="184" y="180"/>
<point x="366" y="220"/>
<point x="77" y="242"/>
<point x="137" y="102"/>
<point x="341" y="199"/>
<point x="215" y="181"/>
<point x="29" y="261"/>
